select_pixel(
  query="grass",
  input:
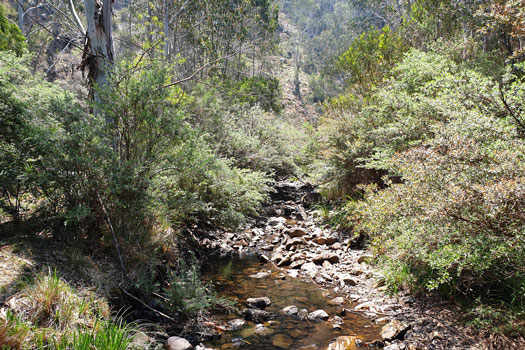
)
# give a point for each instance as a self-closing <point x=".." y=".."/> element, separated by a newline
<point x="50" y="314"/>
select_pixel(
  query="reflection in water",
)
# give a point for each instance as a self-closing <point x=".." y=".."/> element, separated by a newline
<point x="232" y="279"/>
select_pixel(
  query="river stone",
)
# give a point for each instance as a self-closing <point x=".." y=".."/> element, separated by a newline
<point x="261" y="274"/>
<point x="347" y="279"/>
<point x="276" y="221"/>
<point x="364" y="306"/>
<point x="326" y="256"/>
<point x="260" y="329"/>
<point x="364" y="259"/>
<point x="295" y="232"/>
<point x="294" y="242"/>
<point x="337" y="301"/>
<point x="343" y="343"/>
<point x="318" y="315"/>
<point x="236" y="324"/>
<point x="258" y="303"/>
<point x="336" y="246"/>
<point x="282" y="341"/>
<point x="178" y="343"/>
<point x="256" y="315"/>
<point x="297" y="264"/>
<point x="394" y="330"/>
<point x="201" y="347"/>
<point x="293" y="273"/>
<point x="291" y="310"/>
<point x="310" y="268"/>
<point x="302" y="314"/>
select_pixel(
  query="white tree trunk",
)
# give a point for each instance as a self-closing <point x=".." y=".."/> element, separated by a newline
<point x="99" y="50"/>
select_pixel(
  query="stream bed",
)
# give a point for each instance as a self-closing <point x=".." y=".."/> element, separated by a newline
<point x="233" y="279"/>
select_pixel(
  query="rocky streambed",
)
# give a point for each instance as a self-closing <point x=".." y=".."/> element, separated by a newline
<point x="302" y="285"/>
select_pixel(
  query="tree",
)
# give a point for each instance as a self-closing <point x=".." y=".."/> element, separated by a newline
<point x="11" y="37"/>
<point x="98" y="52"/>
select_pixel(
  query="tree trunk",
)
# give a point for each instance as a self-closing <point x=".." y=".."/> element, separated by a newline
<point x="98" y="54"/>
<point x="20" y="9"/>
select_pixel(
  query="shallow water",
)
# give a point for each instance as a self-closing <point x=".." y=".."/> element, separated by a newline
<point x="232" y="280"/>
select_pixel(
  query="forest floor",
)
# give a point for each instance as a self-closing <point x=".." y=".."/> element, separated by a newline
<point x="296" y="241"/>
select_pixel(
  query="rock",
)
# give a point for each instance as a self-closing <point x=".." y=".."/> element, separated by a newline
<point x="178" y="343"/>
<point x="297" y="264"/>
<point x="336" y="321"/>
<point x="364" y="259"/>
<point x="326" y="256"/>
<point x="310" y="268"/>
<point x="262" y="330"/>
<point x="260" y="275"/>
<point x="258" y="303"/>
<point x="337" y="301"/>
<point x="293" y="273"/>
<point x="256" y="315"/>
<point x="343" y="343"/>
<point x="394" y="330"/>
<point x="318" y="315"/>
<point x="282" y="341"/>
<point x="236" y="324"/>
<point x="325" y="240"/>
<point x="291" y="310"/>
<point x="326" y="264"/>
<point x="201" y="347"/>
<point x="302" y="314"/>
<point x="348" y="279"/>
<point x="295" y="232"/>
<point x="336" y="246"/>
<point x="276" y="221"/>
<point x="294" y="242"/>
<point x="309" y="347"/>
<point x="364" y="306"/>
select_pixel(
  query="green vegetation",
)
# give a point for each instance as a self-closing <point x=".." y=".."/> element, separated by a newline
<point x="428" y="144"/>
<point x="174" y="127"/>
<point x="11" y="37"/>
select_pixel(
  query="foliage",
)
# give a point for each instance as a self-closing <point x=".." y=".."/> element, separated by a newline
<point x="11" y="37"/>
<point x="188" y="294"/>
<point x="50" y="314"/>
<point x="449" y="216"/>
<point x="370" y="58"/>
<point x="250" y="137"/>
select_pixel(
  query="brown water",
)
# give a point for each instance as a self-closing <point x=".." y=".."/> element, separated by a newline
<point x="232" y="280"/>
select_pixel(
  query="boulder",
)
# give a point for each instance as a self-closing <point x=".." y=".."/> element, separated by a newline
<point x="294" y="242"/>
<point x="364" y="259"/>
<point x="394" y="330"/>
<point x="326" y="256"/>
<point x="261" y="274"/>
<point x="256" y="315"/>
<point x="295" y="232"/>
<point x="318" y="315"/>
<point x="343" y="343"/>
<point x="348" y="279"/>
<point x="291" y="310"/>
<point x="236" y="324"/>
<point x="178" y="343"/>
<point x="258" y="303"/>
<point x="337" y="301"/>
<point x="302" y="314"/>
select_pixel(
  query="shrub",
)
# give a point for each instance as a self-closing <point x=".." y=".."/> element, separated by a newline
<point x="11" y="37"/>
<point x="449" y="214"/>
<point x="187" y="294"/>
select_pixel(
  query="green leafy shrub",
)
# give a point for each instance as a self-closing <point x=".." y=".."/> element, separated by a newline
<point x="249" y="136"/>
<point x="187" y="293"/>
<point x="449" y="216"/>
<point x="11" y="38"/>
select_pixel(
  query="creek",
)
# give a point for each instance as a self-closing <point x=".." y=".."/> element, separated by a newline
<point x="233" y="279"/>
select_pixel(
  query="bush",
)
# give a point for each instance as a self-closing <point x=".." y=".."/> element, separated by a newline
<point x="448" y="215"/>
<point x="187" y="294"/>
<point x="249" y="136"/>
